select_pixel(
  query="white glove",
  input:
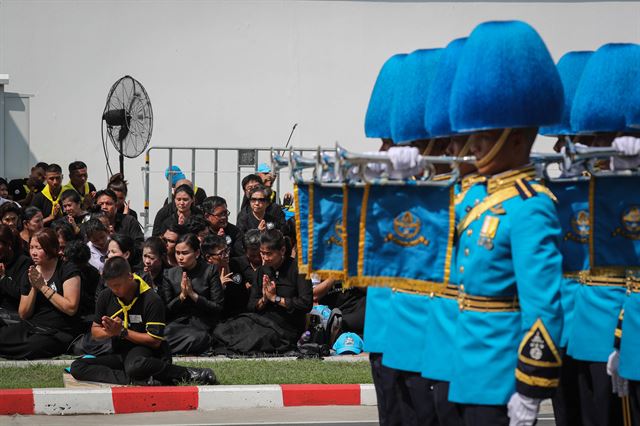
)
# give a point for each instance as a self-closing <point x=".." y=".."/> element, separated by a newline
<point x="577" y="167"/>
<point x="404" y="161"/>
<point x="522" y="410"/>
<point x="620" y="385"/>
<point x="630" y="147"/>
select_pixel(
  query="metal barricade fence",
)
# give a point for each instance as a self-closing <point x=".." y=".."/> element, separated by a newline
<point x="247" y="160"/>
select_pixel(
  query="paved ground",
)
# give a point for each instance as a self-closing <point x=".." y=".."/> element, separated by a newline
<point x="315" y="416"/>
<point x="334" y="416"/>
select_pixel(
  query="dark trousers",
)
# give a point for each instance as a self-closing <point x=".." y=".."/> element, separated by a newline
<point x="138" y="363"/>
<point x="632" y="404"/>
<point x="26" y="340"/>
<point x="447" y="412"/>
<point x="566" y="401"/>
<point x="599" y="406"/>
<point x="385" y="381"/>
<point x="417" y="405"/>
<point x="484" y="415"/>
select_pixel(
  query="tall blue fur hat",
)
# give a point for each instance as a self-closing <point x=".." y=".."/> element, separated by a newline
<point x="377" y="122"/>
<point x="436" y="116"/>
<point x="603" y="98"/>
<point x="633" y="114"/>
<point x="505" y="79"/>
<point x="570" y="68"/>
<point x="410" y="97"/>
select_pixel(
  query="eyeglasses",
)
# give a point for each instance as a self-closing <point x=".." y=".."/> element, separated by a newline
<point x="258" y="200"/>
<point x="223" y="253"/>
<point x="225" y="213"/>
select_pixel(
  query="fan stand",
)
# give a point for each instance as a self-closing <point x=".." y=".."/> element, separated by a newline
<point x="121" y="158"/>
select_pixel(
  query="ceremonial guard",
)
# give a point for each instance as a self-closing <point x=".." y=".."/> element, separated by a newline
<point x="506" y="357"/>
<point x="440" y="332"/>
<point x="408" y="311"/>
<point x="599" y="108"/>
<point x="378" y="125"/>
<point x="572" y="191"/>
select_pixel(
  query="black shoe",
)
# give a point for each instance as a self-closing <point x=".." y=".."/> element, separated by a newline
<point x="147" y="382"/>
<point x="202" y="376"/>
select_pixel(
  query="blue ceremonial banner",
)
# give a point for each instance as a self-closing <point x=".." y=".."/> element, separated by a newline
<point x="615" y="225"/>
<point x="406" y="237"/>
<point x="326" y="231"/>
<point x="573" y="212"/>
<point x="351" y="214"/>
<point x="301" y="201"/>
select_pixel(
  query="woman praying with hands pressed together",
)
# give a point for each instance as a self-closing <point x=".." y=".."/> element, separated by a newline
<point x="48" y="305"/>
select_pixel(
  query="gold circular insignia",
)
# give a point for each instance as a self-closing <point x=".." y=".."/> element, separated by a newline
<point x="631" y="219"/>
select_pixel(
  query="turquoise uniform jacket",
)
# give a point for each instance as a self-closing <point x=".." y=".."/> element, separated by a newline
<point x="630" y="338"/>
<point x="375" y="318"/>
<point x="510" y="250"/>
<point x="441" y="330"/>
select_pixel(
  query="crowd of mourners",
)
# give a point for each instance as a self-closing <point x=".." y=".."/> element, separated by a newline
<point x="78" y="276"/>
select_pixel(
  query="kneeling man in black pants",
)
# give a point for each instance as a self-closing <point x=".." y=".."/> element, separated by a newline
<point x="132" y="315"/>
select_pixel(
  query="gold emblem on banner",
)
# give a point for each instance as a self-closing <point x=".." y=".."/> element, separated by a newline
<point x="580" y="225"/>
<point x="630" y="224"/>
<point x="338" y="234"/>
<point x="406" y="229"/>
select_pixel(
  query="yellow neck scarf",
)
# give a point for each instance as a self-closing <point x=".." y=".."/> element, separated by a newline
<point x="47" y="193"/>
<point x="125" y="308"/>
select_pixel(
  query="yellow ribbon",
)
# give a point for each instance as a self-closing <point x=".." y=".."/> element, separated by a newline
<point x="126" y="308"/>
<point x="69" y="185"/>
<point x="47" y="193"/>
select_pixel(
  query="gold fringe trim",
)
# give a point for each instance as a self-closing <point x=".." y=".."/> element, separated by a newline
<point x="302" y="267"/>
<point x="345" y="235"/>
<point x="363" y="233"/>
<point x="310" y="227"/>
<point x="452" y="230"/>
<point x="420" y="286"/>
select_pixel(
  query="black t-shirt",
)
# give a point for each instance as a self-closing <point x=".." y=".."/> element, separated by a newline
<point x="145" y="315"/>
<point x="44" y="204"/>
<point x="15" y="272"/>
<point x="44" y="313"/>
<point x="127" y="225"/>
<point x="18" y="189"/>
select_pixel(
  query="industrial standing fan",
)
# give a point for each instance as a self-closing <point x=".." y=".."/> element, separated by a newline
<point x="127" y="119"/>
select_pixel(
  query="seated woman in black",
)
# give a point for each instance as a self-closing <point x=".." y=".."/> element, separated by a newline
<point x="236" y="290"/>
<point x="125" y="246"/>
<point x="65" y="233"/>
<point x="73" y="211"/>
<point x="279" y="301"/>
<point x="50" y="301"/>
<point x="32" y="222"/>
<point x="279" y="291"/>
<point x="154" y="261"/>
<point x="13" y="269"/>
<point x="258" y="217"/>
<point x="183" y="199"/>
<point x="195" y="299"/>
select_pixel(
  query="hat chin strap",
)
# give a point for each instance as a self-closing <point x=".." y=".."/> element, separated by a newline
<point x="495" y="149"/>
<point x="465" y="148"/>
<point x="427" y="150"/>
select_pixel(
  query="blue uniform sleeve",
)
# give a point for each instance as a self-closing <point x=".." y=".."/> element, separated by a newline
<point x="537" y="261"/>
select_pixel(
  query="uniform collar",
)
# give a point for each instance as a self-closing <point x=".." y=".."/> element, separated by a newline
<point x="470" y="180"/>
<point x="507" y="179"/>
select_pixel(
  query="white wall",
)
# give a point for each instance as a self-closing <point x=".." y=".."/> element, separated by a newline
<point x="240" y="73"/>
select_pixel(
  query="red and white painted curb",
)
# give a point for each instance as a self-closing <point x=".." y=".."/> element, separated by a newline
<point x="121" y="400"/>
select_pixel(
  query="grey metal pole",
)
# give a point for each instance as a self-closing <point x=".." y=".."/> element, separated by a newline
<point x="193" y="166"/>
<point x="169" y="194"/>
<point x="215" y="171"/>
<point x="146" y="169"/>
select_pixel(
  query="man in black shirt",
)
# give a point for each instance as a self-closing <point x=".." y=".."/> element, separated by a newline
<point x="48" y="200"/>
<point x="133" y="317"/>
<point x="106" y="199"/>
<point x="79" y="182"/>
<point x="23" y="190"/>
<point x="216" y="213"/>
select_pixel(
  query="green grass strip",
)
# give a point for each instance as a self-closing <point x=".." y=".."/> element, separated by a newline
<point x="236" y="372"/>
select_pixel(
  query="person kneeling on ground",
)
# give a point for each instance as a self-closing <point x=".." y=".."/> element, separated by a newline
<point x="133" y="317"/>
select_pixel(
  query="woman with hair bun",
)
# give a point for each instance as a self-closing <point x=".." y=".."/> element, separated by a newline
<point x="49" y="303"/>
<point x="120" y="187"/>
<point x="32" y="222"/>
